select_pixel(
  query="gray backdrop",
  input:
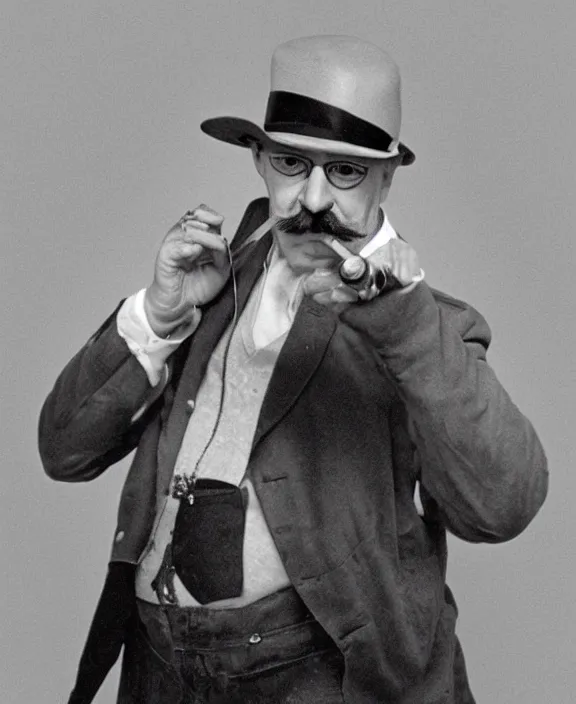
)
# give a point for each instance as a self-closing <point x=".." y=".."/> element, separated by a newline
<point x="99" y="112"/>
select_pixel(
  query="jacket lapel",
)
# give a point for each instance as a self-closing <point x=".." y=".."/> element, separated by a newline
<point x="215" y="320"/>
<point x="301" y="354"/>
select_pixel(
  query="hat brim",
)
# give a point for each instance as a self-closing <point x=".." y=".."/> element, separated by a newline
<point x="243" y="133"/>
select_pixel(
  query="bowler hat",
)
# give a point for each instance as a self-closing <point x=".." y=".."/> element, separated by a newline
<point x="335" y="94"/>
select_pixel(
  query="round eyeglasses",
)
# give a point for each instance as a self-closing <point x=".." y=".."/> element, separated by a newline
<point x="340" y="174"/>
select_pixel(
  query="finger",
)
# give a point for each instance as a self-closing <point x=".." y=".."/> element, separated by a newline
<point x="382" y="258"/>
<point x="185" y="223"/>
<point x="189" y="255"/>
<point x="216" y="255"/>
<point x="324" y="298"/>
<point x="187" y="250"/>
<point x="344" y="294"/>
<point x="190" y="223"/>
<point x="398" y="259"/>
<point x="220" y="259"/>
<point x="207" y="208"/>
<point x="206" y="215"/>
<point x="184" y="255"/>
<point x="321" y="280"/>
<point x="336" y="297"/>
<point x="209" y="240"/>
<point x="340" y="293"/>
<point x="406" y="267"/>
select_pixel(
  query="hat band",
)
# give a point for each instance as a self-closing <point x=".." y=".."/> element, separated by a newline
<point x="299" y="114"/>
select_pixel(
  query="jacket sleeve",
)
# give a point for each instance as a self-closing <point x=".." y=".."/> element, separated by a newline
<point x="483" y="469"/>
<point x="93" y="416"/>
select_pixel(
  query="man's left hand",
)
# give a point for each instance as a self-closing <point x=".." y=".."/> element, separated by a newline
<point x="397" y="258"/>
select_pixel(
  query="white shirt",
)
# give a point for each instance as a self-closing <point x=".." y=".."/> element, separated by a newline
<point x="278" y="296"/>
<point x="281" y="296"/>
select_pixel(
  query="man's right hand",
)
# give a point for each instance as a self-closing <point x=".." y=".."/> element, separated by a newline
<point x="191" y="269"/>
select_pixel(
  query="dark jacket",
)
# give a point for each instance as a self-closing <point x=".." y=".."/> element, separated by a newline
<point x="360" y="407"/>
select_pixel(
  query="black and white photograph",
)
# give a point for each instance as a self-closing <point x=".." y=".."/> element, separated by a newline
<point x="288" y="354"/>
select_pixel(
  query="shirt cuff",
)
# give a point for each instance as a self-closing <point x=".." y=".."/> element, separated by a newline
<point x="150" y="350"/>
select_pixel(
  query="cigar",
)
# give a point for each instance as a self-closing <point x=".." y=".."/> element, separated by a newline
<point x="337" y="247"/>
<point x="357" y="272"/>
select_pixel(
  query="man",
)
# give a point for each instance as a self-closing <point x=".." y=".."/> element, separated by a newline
<point x="309" y="417"/>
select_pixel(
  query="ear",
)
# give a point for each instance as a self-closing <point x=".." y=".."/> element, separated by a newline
<point x="384" y="193"/>
<point x="387" y="177"/>
<point x="257" y="155"/>
<point x="386" y="185"/>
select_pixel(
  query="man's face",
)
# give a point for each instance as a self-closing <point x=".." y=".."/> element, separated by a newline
<point x="318" y="194"/>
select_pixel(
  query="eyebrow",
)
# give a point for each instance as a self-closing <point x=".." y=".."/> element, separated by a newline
<point x="342" y="158"/>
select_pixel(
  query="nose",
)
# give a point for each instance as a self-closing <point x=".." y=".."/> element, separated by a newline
<point x="316" y="194"/>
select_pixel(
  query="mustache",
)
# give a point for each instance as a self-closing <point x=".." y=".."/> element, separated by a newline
<point x="324" y="222"/>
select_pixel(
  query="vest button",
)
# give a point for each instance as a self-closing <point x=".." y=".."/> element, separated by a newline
<point x="255" y="638"/>
<point x="190" y="405"/>
<point x="119" y="536"/>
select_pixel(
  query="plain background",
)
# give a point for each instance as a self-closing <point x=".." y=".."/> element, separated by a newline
<point x="101" y="152"/>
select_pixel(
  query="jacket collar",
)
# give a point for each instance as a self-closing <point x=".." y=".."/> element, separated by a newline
<point x="194" y="354"/>
<point x="303" y="350"/>
<point x="301" y="354"/>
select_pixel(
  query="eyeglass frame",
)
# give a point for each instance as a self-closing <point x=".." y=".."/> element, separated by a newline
<point x="310" y="164"/>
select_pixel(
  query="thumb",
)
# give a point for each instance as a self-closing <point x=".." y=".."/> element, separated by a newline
<point x="320" y="280"/>
<point x="222" y="259"/>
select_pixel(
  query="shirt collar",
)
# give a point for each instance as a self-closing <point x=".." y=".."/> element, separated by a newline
<point x="384" y="235"/>
<point x="280" y="290"/>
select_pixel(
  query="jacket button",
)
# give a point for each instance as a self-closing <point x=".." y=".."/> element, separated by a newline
<point x="119" y="536"/>
<point x="255" y="638"/>
<point x="190" y="405"/>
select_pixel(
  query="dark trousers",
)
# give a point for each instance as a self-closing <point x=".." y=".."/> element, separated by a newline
<point x="270" y="651"/>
